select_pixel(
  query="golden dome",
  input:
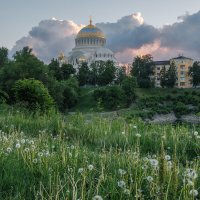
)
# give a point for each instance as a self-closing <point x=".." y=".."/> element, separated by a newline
<point x="90" y="31"/>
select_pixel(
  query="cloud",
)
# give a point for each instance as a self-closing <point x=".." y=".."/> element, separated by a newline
<point x="127" y="37"/>
<point x="49" y="38"/>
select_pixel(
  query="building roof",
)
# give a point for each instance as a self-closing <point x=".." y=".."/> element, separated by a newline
<point x="181" y="57"/>
<point x="162" y="62"/>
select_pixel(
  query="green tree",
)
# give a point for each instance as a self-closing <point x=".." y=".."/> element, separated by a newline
<point x="83" y="74"/>
<point x="194" y="72"/>
<point x="142" y="69"/>
<point x="67" y="70"/>
<point x="163" y="77"/>
<point x="25" y="65"/>
<point x="32" y="94"/>
<point x="128" y="85"/>
<point x="171" y="76"/>
<point x="55" y="69"/>
<point x="3" y="56"/>
<point x="106" y="72"/>
<point x="120" y="74"/>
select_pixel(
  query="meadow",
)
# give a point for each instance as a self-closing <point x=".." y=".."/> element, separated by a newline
<point x="60" y="157"/>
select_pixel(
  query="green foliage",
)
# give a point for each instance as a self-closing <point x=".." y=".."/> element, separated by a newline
<point x="33" y="95"/>
<point x="142" y="69"/>
<point x="111" y="97"/>
<point x="128" y="85"/>
<point x="168" y="77"/>
<point x="83" y="74"/>
<point x="43" y="157"/>
<point x="3" y="56"/>
<point x="120" y="75"/>
<point x="65" y="93"/>
<point x="194" y="72"/>
<point x="3" y="97"/>
<point x="25" y="65"/>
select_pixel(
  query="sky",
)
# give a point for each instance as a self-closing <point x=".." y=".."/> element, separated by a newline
<point x="20" y="18"/>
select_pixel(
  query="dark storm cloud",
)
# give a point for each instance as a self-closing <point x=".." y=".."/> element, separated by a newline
<point x="183" y="35"/>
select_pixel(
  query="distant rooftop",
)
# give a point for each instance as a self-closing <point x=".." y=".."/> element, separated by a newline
<point x="163" y="62"/>
<point x="182" y="57"/>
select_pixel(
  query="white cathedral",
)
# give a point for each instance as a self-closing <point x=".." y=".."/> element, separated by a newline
<point x="89" y="47"/>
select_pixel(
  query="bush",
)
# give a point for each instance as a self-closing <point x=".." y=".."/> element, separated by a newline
<point x="32" y="94"/>
<point x="180" y="109"/>
<point x="3" y="97"/>
<point x="111" y="97"/>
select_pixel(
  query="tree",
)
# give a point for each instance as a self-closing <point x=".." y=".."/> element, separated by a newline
<point x="25" y="65"/>
<point x="171" y="76"/>
<point x="194" y="72"/>
<point x="128" y="85"/>
<point x="163" y="77"/>
<point x="55" y="70"/>
<point x="106" y="72"/>
<point x="67" y="70"/>
<point x="83" y="74"/>
<point x="120" y="74"/>
<point x="3" y="56"/>
<point x="32" y="94"/>
<point x="142" y="69"/>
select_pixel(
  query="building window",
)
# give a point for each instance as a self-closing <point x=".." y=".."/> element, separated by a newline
<point x="182" y="84"/>
<point x="183" y="67"/>
<point x="158" y="68"/>
<point x="182" y="73"/>
<point x="182" y="79"/>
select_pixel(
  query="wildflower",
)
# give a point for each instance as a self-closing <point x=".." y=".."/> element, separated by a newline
<point x="80" y="170"/>
<point x="40" y="154"/>
<point x="26" y="150"/>
<point x="17" y="145"/>
<point x="9" y="150"/>
<point x="153" y="162"/>
<point x="167" y="157"/>
<point x="190" y="173"/>
<point x="70" y="154"/>
<point x="121" y="184"/>
<point x="138" y="135"/>
<point x="195" y="133"/>
<point x="72" y="147"/>
<point x="144" y="167"/>
<point x="122" y="172"/>
<point x="127" y="191"/>
<point x="97" y="197"/>
<point x="90" y="167"/>
<point x="149" y="179"/>
<point x="47" y="153"/>
<point x="31" y="142"/>
<point x="135" y="127"/>
<point x="123" y="132"/>
<point x="169" y="164"/>
<point x="193" y="192"/>
<point x="35" y="160"/>
<point x="23" y="141"/>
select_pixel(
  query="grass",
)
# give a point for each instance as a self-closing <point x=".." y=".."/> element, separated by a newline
<point x="74" y="157"/>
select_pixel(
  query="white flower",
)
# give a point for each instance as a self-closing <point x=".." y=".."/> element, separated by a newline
<point x="153" y="162"/>
<point x="47" y="153"/>
<point x="35" y="160"/>
<point x="122" y="172"/>
<point x="195" y="133"/>
<point x="97" y="197"/>
<point x="167" y="157"/>
<point x="191" y="173"/>
<point x="121" y="184"/>
<point x="40" y="154"/>
<point x="72" y="147"/>
<point x="9" y="150"/>
<point x="23" y="141"/>
<point x="90" y="167"/>
<point x="123" y="132"/>
<point x="80" y="170"/>
<point x="26" y="150"/>
<point x="127" y="191"/>
<point x="138" y="135"/>
<point x="70" y="154"/>
<point x="149" y="178"/>
<point x="135" y="127"/>
<point x="17" y="145"/>
<point x="194" y="192"/>
<point x="169" y="164"/>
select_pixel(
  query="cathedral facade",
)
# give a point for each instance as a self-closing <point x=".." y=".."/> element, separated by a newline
<point x="90" y="45"/>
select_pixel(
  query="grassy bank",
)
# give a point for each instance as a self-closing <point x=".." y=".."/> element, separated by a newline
<point x="73" y="157"/>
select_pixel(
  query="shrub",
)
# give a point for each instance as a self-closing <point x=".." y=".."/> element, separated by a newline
<point x="32" y="94"/>
<point x="180" y="109"/>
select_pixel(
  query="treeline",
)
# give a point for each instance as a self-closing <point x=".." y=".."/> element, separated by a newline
<point x="28" y="82"/>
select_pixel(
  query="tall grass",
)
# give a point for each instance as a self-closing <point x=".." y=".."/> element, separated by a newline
<point x="74" y="157"/>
